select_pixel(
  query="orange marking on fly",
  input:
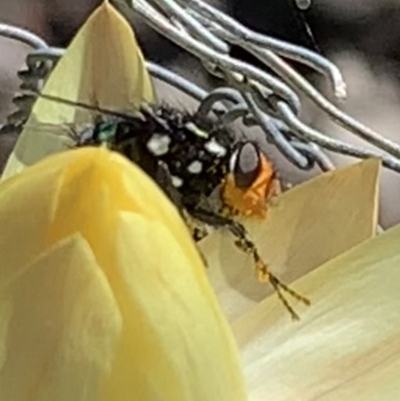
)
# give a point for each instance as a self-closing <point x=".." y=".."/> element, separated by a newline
<point x="251" y="183"/>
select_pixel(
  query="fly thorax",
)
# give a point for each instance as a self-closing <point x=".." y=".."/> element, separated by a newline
<point x="197" y="154"/>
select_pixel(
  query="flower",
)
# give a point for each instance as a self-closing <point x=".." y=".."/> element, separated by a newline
<point x="321" y="234"/>
<point x="88" y="282"/>
<point x="305" y="227"/>
<point x="347" y="344"/>
<point x="103" y="294"/>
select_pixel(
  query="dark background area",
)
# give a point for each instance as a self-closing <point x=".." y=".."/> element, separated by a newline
<point x="361" y="36"/>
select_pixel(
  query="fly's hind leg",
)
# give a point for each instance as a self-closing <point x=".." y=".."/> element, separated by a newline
<point x="198" y="230"/>
<point x="245" y="244"/>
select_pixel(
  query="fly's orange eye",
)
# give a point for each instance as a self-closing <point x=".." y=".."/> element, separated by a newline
<point x="246" y="165"/>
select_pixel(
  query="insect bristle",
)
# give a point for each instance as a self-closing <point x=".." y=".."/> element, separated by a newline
<point x="97" y="109"/>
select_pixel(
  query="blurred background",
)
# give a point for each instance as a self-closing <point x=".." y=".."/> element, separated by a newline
<point x="361" y="36"/>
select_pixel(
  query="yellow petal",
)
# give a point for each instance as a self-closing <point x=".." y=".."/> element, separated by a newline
<point x="171" y="317"/>
<point x="94" y="238"/>
<point x="59" y="326"/>
<point x="305" y="227"/>
<point x="103" y="66"/>
<point x="347" y="345"/>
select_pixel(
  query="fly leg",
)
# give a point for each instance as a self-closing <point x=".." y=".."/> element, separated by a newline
<point x="245" y="244"/>
<point x="198" y="231"/>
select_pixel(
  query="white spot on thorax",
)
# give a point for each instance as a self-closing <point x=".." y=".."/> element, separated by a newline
<point x="195" y="167"/>
<point x="158" y="144"/>
<point x="177" y="182"/>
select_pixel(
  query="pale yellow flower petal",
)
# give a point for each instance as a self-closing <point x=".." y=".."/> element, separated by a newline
<point x="59" y="326"/>
<point x="103" y="66"/>
<point x="305" y="227"/>
<point x="111" y="257"/>
<point x="171" y="317"/>
<point x="347" y="345"/>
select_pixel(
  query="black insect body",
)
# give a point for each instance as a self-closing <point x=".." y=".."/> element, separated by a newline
<point x="190" y="159"/>
<point x="194" y="154"/>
